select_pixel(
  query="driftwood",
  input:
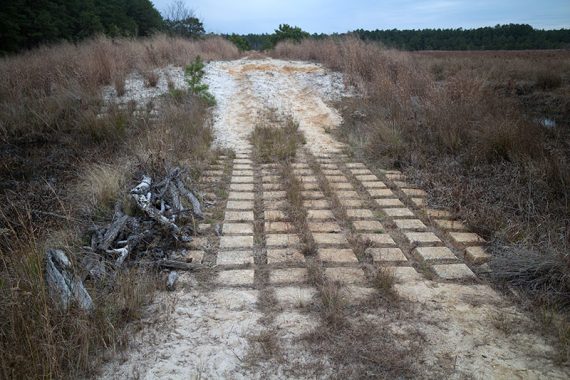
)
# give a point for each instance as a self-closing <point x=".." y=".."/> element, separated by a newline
<point x="94" y="266"/>
<point x="63" y="285"/>
<point x="143" y="199"/>
<point x="171" y="280"/>
<point x="119" y="221"/>
<point x="147" y="238"/>
<point x="191" y="197"/>
<point x="180" y="265"/>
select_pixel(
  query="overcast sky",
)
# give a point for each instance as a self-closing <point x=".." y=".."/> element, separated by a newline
<point x="263" y="16"/>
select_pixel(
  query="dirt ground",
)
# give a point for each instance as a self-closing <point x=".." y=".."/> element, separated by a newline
<point x="256" y="314"/>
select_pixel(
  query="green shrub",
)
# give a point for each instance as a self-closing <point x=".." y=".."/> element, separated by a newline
<point x="241" y="43"/>
<point x="194" y="74"/>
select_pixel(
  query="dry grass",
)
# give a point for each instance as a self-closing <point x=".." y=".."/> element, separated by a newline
<point x="296" y="211"/>
<point x="537" y="80"/>
<point x="455" y="124"/>
<point x="38" y="340"/>
<point x="51" y="119"/>
<point x="64" y="163"/>
<point x="119" y="82"/>
<point x="151" y="78"/>
<point x="276" y="140"/>
<point x="360" y="342"/>
<point x="48" y="88"/>
<point x="100" y="187"/>
<point x="264" y="346"/>
<point x="182" y="134"/>
<point x="333" y="300"/>
<point x="384" y="280"/>
<point x="367" y="349"/>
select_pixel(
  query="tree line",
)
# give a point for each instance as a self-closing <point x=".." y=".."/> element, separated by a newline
<point x="267" y="41"/>
<point x="26" y="24"/>
<point x="500" y="37"/>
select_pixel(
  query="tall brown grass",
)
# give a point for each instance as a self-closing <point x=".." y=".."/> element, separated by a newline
<point x="456" y="131"/>
<point x="44" y="90"/>
<point x="538" y="80"/>
<point x="39" y="340"/>
<point x="65" y="159"/>
<point x="276" y="140"/>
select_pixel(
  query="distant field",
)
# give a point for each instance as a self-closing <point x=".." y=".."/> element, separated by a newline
<point x="538" y="79"/>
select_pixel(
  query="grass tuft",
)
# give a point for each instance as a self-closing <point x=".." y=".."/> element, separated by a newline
<point x="151" y="78"/>
<point x="276" y="143"/>
<point x="384" y="280"/>
<point x="100" y="187"/>
<point x="333" y="308"/>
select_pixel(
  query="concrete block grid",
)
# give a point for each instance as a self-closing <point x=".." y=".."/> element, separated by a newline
<point x="432" y="236"/>
<point x="235" y="256"/>
<point x="383" y="209"/>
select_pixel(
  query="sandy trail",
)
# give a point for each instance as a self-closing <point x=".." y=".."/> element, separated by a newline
<point x="258" y="291"/>
<point x="245" y="88"/>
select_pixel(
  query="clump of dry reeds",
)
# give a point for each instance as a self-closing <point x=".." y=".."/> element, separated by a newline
<point x="276" y="140"/>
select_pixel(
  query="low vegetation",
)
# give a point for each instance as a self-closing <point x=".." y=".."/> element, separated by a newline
<point x="367" y="348"/>
<point x="194" y="75"/>
<point x="67" y="157"/>
<point x="276" y="140"/>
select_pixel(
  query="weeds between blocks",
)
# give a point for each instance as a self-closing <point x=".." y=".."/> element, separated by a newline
<point x="382" y="278"/>
<point x="285" y="140"/>
<point x="276" y="140"/>
<point x="340" y="335"/>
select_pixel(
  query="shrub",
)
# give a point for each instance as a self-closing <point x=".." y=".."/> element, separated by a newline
<point x="276" y="143"/>
<point x="194" y="74"/>
<point x="287" y="32"/>
<point x="151" y="78"/>
<point x="241" y="43"/>
<point x="546" y="80"/>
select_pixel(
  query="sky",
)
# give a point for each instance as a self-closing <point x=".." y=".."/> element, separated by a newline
<point x="316" y="16"/>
